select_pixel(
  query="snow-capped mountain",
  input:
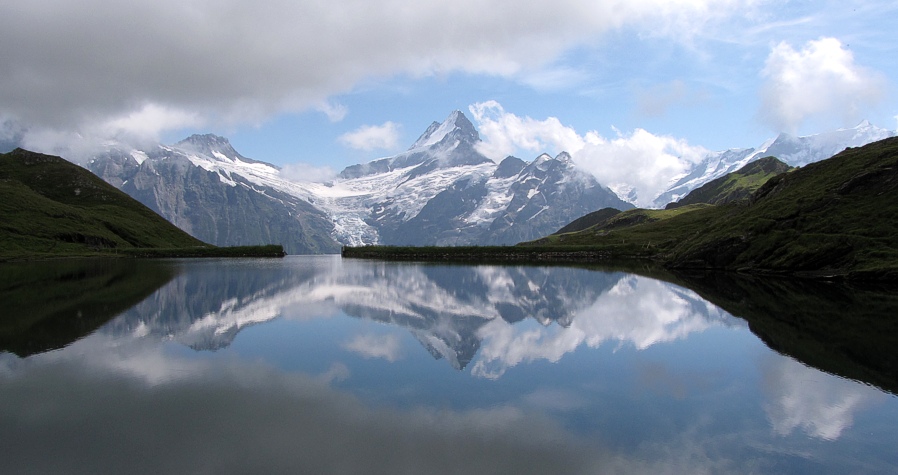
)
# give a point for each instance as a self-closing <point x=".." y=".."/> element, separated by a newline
<point x="440" y="191"/>
<point x="443" y="191"/>
<point x="794" y="151"/>
<point x="206" y="188"/>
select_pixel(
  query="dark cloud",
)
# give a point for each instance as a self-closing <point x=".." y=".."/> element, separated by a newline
<point x="66" y="63"/>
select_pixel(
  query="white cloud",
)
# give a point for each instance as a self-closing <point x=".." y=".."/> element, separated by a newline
<point x="334" y="112"/>
<point x="637" y="166"/>
<point x="387" y="347"/>
<point x="372" y="137"/>
<point x="66" y="63"/>
<point x="504" y="133"/>
<point x="147" y="122"/>
<point x="820" y="81"/>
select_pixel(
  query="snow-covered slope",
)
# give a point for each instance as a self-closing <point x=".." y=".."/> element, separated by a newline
<point x="794" y="151"/>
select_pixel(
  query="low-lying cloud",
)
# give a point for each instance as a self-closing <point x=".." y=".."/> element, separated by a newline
<point x="637" y="166"/>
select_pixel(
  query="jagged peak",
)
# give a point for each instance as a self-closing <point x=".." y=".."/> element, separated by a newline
<point x="456" y="125"/>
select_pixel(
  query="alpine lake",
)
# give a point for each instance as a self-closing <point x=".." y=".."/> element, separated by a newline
<point x="317" y="364"/>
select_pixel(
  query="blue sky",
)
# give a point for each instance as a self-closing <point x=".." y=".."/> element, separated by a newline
<point x="316" y="86"/>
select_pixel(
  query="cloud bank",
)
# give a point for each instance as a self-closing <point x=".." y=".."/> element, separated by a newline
<point x="67" y="64"/>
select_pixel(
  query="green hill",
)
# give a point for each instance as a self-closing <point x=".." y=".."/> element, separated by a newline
<point x="50" y="207"/>
<point x="735" y="186"/>
<point x="590" y="220"/>
<point x="837" y="217"/>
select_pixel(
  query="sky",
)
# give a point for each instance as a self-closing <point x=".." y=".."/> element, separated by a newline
<point x="637" y="87"/>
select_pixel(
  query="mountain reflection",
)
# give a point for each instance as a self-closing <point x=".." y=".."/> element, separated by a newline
<point x="455" y="312"/>
<point x="575" y="371"/>
<point x="635" y="310"/>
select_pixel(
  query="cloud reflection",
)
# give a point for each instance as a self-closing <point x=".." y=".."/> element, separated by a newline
<point x="637" y="310"/>
<point x="236" y="417"/>
<point x="387" y="347"/>
<point x="806" y="399"/>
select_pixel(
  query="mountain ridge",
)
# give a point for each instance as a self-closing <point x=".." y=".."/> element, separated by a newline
<point x="834" y="218"/>
<point x="440" y="191"/>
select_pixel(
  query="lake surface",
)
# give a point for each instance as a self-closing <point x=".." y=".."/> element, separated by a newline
<point x="322" y="365"/>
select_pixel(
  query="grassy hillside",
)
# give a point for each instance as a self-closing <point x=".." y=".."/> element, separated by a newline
<point x="588" y="221"/>
<point x="50" y="207"/>
<point x="735" y="186"/>
<point x="838" y="217"/>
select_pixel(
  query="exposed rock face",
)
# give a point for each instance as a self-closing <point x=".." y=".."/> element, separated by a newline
<point x="201" y="202"/>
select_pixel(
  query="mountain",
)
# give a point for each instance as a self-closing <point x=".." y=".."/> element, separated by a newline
<point x="443" y="191"/>
<point x="735" y="186"/>
<point x="589" y="220"/>
<point x="832" y="218"/>
<point x="49" y="206"/>
<point x="206" y="188"/>
<point x="794" y="151"/>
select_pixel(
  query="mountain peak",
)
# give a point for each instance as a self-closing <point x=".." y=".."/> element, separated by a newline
<point x="456" y="126"/>
<point x="214" y="146"/>
<point x="208" y="144"/>
<point x="205" y="140"/>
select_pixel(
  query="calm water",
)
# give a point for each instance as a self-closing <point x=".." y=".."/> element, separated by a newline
<point x="320" y="365"/>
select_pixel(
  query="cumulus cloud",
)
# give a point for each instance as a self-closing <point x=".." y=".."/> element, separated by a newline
<point x="66" y="63"/>
<point x="637" y="166"/>
<point x="372" y="137"/>
<point x="504" y="133"/>
<point x="819" y="81"/>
